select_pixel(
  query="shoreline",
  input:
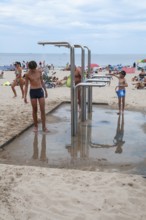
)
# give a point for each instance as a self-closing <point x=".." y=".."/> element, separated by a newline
<point x="59" y="59"/>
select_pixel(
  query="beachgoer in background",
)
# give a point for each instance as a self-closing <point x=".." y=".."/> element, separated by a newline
<point x="61" y="82"/>
<point x="135" y="78"/>
<point x="40" y="64"/>
<point x="27" y="65"/>
<point x="23" y="64"/>
<point x="44" y="64"/>
<point x="140" y="84"/>
<point x="52" y="67"/>
<point x="142" y="74"/>
<point x="134" y="64"/>
<point x="120" y="90"/>
<point x="140" y="80"/>
<point x="139" y="77"/>
<point x="67" y="66"/>
<point x="77" y="81"/>
<point x="19" y="80"/>
<point x="37" y="88"/>
<point x="1" y="74"/>
<point x="109" y="68"/>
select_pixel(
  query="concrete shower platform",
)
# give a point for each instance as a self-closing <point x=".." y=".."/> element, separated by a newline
<point x="105" y="142"/>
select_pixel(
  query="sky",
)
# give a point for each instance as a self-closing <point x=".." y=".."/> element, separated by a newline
<point x="104" y="26"/>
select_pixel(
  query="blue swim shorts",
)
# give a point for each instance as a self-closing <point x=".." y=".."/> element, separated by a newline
<point x="36" y="93"/>
<point x="121" y="93"/>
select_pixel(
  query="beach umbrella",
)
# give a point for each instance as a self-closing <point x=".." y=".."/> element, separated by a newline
<point x="92" y="65"/>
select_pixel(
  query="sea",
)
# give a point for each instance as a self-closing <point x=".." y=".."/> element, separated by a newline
<point x="60" y="60"/>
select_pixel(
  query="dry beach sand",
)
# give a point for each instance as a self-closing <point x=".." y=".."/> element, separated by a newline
<point x="59" y="194"/>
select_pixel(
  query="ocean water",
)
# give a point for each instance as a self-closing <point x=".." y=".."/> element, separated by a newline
<point x="60" y="60"/>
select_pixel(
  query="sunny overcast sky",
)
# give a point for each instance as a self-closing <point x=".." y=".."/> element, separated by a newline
<point x="105" y="26"/>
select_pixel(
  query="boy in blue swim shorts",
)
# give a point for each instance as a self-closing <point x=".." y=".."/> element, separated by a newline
<point x="120" y="90"/>
<point x="37" y="93"/>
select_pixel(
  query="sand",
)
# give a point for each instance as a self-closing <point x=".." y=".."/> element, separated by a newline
<point x="55" y="194"/>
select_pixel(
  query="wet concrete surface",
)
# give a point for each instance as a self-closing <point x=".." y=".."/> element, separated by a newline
<point x="105" y="142"/>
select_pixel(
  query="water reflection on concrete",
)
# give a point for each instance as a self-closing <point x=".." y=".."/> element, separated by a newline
<point x="105" y="142"/>
<point x="42" y="155"/>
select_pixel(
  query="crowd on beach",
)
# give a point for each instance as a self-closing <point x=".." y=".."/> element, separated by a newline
<point x="52" y="81"/>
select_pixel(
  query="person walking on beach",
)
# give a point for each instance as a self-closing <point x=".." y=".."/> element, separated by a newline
<point x="134" y="65"/>
<point x="120" y="90"/>
<point x="19" y="80"/>
<point x="1" y="74"/>
<point x="37" y="89"/>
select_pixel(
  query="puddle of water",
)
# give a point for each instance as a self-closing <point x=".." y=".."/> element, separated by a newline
<point x="105" y="141"/>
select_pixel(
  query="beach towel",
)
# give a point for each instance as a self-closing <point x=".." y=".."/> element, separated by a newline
<point x="7" y="83"/>
<point x="68" y="82"/>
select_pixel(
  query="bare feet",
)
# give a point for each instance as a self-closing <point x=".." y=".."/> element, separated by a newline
<point x="14" y="96"/>
<point x="46" y="130"/>
<point x="35" y="129"/>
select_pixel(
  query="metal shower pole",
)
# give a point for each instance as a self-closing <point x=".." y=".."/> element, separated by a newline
<point x="73" y="87"/>
<point x="89" y="88"/>
<point x="83" y="89"/>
